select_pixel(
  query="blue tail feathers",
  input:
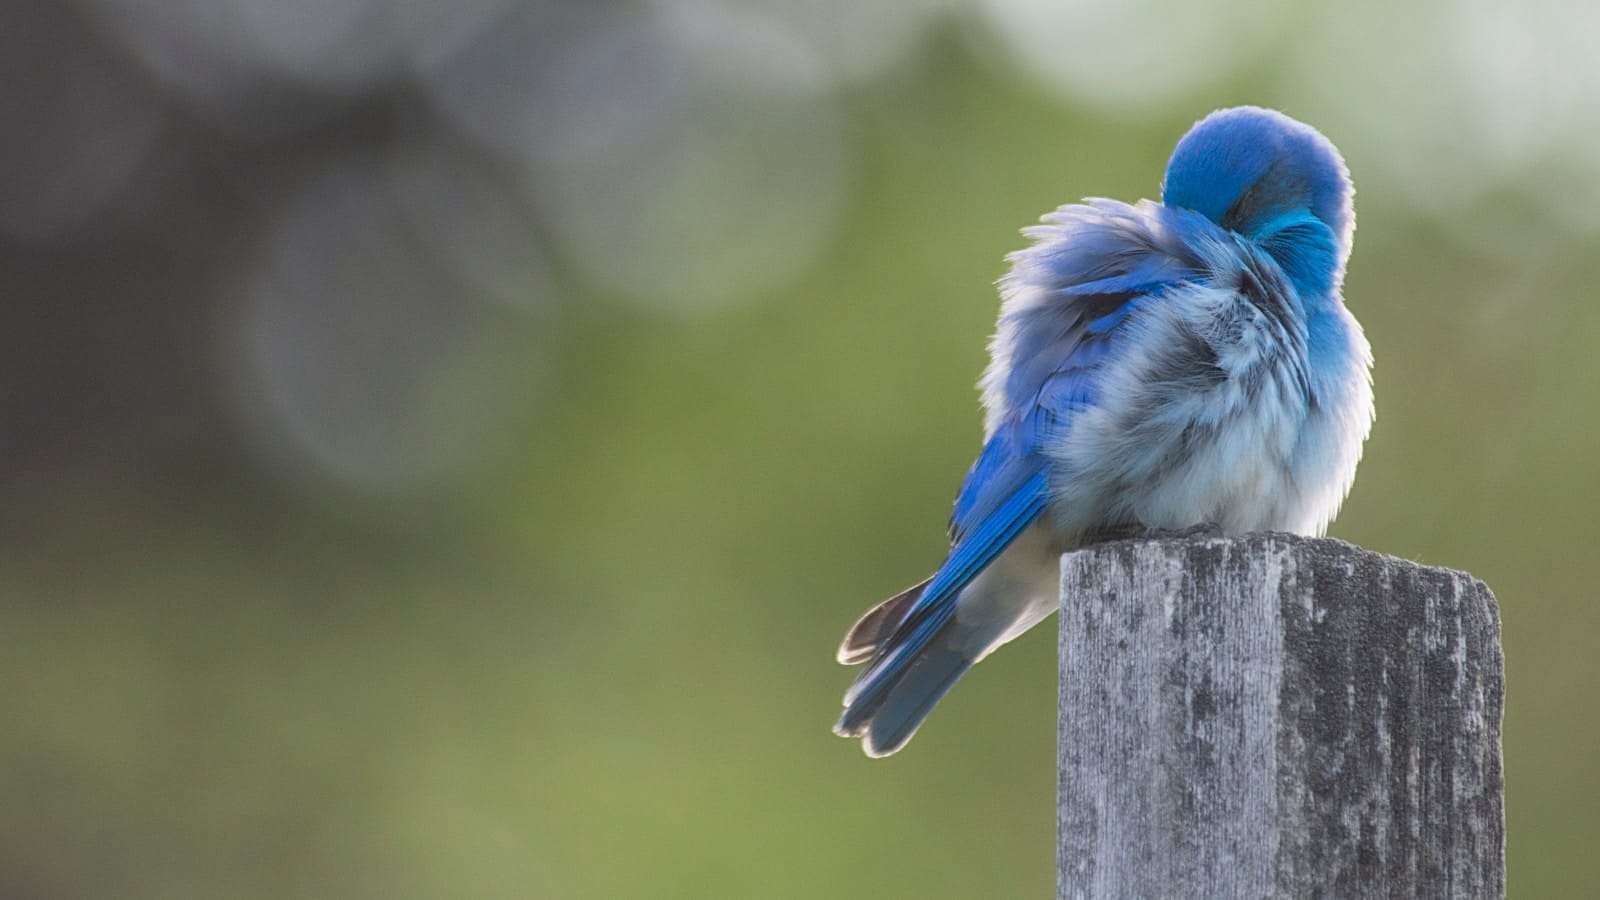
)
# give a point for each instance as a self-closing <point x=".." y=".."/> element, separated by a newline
<point x="874" y="629"/>
<point x="893" y="697"/>
<point x="911" y="639"/>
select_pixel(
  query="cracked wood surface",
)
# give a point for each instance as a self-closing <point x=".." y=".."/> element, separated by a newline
<point x="1276" y="716"/>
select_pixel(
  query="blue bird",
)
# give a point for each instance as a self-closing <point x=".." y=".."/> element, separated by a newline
<point x="1156" y="366"/>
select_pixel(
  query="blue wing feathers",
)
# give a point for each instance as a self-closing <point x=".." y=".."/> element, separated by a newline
<point x="999" y="471"/>
<point x="1096" y="264"/>
<point x="982" y="542"/>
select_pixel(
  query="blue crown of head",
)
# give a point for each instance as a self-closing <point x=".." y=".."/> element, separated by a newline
<point x="1256" y="172"/>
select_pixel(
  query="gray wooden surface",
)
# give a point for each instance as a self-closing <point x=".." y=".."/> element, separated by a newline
<point x="1275" y="716"/>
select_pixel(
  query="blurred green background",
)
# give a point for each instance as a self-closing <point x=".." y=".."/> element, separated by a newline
<point x="442" y="444"/>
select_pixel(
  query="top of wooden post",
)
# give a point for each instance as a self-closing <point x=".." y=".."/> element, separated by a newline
<point x="1273" y="715"/>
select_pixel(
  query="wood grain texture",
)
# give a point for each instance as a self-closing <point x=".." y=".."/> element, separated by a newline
<point x="1276" y="716"/>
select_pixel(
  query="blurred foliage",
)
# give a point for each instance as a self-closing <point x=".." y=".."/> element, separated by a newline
<point x="593" y="658"/>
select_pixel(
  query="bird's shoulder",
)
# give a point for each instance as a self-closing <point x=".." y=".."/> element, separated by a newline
<point x="1108" y="286"/>
<point x="1070" y="296"/>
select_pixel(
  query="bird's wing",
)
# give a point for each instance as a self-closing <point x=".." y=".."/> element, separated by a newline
<point x="1007" y="462"/>
<point x="1008" y="487"/>
<point x="1093" y="266"/>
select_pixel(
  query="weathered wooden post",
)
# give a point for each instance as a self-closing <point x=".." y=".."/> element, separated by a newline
<point x="1275" y="716"/>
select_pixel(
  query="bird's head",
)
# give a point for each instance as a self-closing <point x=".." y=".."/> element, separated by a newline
<point x="1274" y="180"/>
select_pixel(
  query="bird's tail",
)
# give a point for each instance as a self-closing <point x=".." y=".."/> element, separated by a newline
<point x="873" y="630"/>
<point x="888" y="702"/>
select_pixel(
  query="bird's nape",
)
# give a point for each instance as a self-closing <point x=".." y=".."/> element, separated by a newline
<point x="1247" y="168"/>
